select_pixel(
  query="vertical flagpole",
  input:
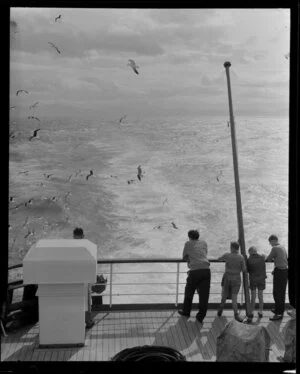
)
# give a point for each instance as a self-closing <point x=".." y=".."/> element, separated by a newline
<point x="237" y="189"/>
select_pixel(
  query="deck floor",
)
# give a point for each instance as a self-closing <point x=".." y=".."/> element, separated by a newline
<point x="115" y="331"/>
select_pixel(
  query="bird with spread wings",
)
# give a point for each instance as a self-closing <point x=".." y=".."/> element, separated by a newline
<point x="54" y="46"/>
<point x="133" y="65"/>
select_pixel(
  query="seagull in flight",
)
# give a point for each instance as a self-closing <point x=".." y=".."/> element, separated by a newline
<point x="173" y="224"/>
<point x="32" y="117"/>
<point x="11" y="134"/>
<point x="133" y="65"/>
<point x="122" y="118"/>
<point x="91" y="173"/>
<point x="58" y="17"/>
<point x="30" y="232"/>
<point x="218" y="177"/>
<point x="12" y="107"/>
<point x="139" y="175"/>
<point x="34" y="134"/>
<point x="33" y="105"/>
<point x="19" y="91"/>
<point x="28" y="202"/>
<point x="47" y="175"/>
<point x="54" y="46"/>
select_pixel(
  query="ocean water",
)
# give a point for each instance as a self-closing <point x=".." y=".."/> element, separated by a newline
<point x="187" y="179"/>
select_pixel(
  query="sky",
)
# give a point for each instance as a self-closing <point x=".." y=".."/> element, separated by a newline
<point x="180" y="54"/>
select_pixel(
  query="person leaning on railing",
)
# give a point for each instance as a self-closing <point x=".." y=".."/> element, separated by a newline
<point x="99" y="287"/>
<point x="231" y="282"/>
<point x="195" y="253"/>
<point x="280" y="276"/>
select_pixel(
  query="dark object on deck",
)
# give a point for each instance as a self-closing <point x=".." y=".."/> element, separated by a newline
<point x="290" y="341"/>
<point x="100" y="284"/>
<point x="30" y="307"/>
<point x="239" y="342"/>
<point x="25" y="312"/>
<point x="149" y="353"/>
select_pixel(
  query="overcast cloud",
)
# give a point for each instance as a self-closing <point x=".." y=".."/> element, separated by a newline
<point x="180" y="54"/>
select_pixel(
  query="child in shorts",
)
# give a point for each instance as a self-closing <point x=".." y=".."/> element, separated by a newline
<point x="256" y="267"/>
<point x="231" y="282"/>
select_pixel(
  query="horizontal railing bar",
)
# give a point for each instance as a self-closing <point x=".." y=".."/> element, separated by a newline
<point x="15" y="266"/>
<point x="133" y="261"/>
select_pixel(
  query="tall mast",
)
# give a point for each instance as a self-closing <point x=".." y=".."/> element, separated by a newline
<point x="237" y="190"/>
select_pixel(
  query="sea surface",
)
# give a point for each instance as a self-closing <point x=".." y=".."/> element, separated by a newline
<point x="187" y="183"/>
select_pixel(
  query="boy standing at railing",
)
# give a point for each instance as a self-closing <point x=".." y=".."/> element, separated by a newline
<point x="256" y="267"/>
<point x="234" y="265"/>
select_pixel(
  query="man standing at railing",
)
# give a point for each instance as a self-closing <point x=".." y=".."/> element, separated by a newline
<point x="195" y="253"/>
<point x="280" y="276"/>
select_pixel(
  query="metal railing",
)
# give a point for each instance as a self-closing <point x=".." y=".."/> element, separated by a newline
<point x="118" y="287"/>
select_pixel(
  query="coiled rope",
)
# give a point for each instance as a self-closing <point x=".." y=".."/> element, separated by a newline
<point x="149" y="353"/>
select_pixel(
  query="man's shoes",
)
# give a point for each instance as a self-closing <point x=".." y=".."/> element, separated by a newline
<point x="237" y="317"/>
<point x="273" y="310"/>
<point x="260" y="315"/>
<point x="276" y="317"/>
<point x="220" y="311"/>
<point x="181" y="312"/>
<point x="199" y="319"/>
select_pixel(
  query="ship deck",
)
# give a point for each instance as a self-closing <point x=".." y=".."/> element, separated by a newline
<point x="116" y="330"/>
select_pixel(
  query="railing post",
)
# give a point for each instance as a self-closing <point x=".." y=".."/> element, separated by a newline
<point x="89" y="298"/>
<point x="110" y="285"/>
<point x="177" y="283"/>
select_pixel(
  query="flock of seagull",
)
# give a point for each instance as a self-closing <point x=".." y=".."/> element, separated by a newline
<point x="14" y="204"/>
<point x="131" y="63"/>
<point x="140" y="173"/>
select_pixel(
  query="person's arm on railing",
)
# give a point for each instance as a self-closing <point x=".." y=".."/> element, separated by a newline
<point x="222" y="258"/>
<point x="271" y="256"/>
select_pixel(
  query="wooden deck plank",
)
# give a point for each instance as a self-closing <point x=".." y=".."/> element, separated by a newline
<point x="93" y="345"/>
<point x="35" y="355"/>
<point x="41" y="356"/>
<point x="5" y="346"/>
<point x="188" y="336"/>
<point x="180" y="342"/>
<point x="54" y="355"/>
<point x="48" y="355"/>
<point x="61" y="355"/>
<point x="9" y="346"/>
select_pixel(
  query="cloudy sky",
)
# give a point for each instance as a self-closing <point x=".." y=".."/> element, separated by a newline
<point x="180" y="54"/>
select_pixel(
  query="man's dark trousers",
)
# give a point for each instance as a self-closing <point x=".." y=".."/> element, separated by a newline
<point x="197" y="280"/>
<point x="279" y="288"/>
